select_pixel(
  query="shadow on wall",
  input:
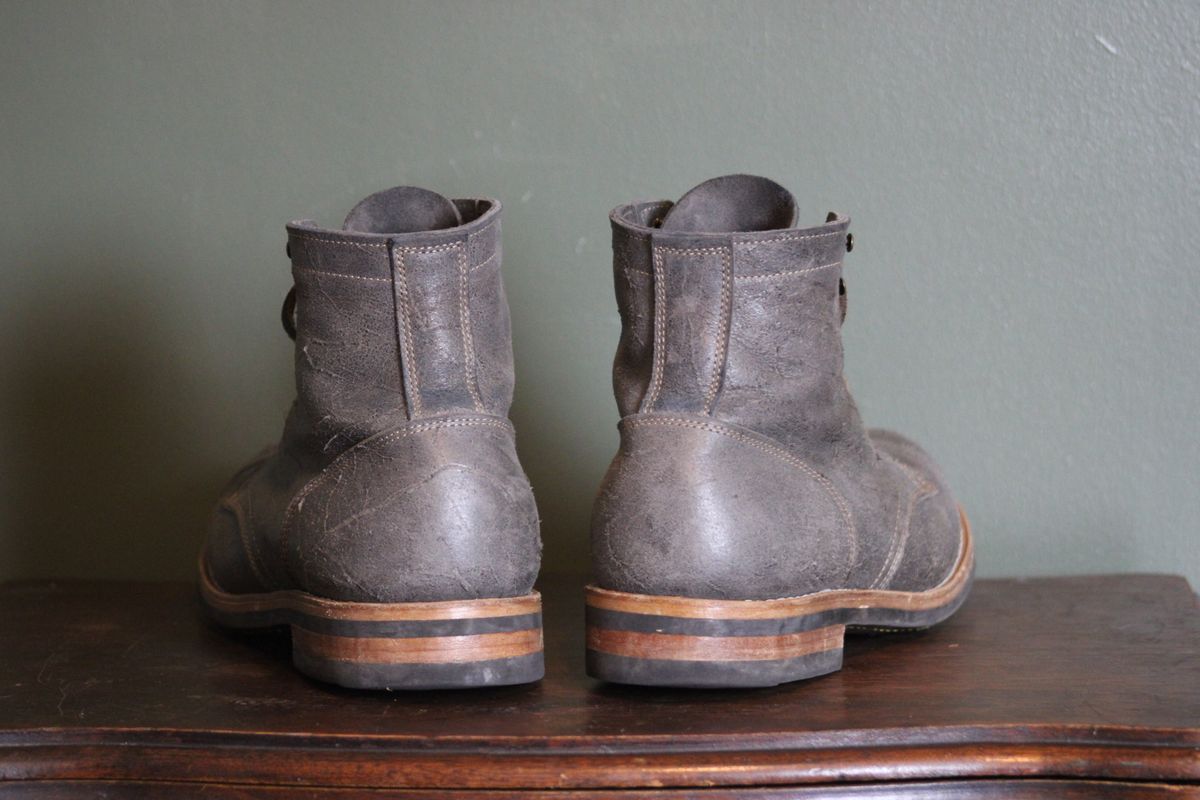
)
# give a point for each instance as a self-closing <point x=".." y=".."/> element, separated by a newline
<point x="101" y="466"/>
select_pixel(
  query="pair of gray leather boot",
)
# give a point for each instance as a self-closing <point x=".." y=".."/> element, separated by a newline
<point x="746" y="522"/>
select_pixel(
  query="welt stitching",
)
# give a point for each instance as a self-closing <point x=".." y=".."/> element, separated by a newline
<point x="306" y="270"/>
<point x="778" y="452"/>
<point x="464" y="318"/>
<point x="294" y="506"/>
<point x="714" y="382"/>
<point x="408" y="350"/>
<point x="660" y="331"/>
<point x="764" y="276"/>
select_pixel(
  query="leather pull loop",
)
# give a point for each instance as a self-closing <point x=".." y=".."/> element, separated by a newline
<point x="288" y="313"/>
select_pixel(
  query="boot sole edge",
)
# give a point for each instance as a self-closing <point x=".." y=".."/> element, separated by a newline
<point x="658" y="640"/>
<point x="450" y="644"/>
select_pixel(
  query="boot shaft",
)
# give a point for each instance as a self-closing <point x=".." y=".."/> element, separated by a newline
<point x="397" y="327"/>
<point x="744" y="470"/>
<point x="397" y="478"/>
<point x="742" y="327"/>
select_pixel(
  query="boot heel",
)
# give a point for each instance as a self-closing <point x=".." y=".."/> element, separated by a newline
<point x="654" y="640"/>
<point x="426" y="646"/>
<point x="449" y="644"/>
<point x="658" y="640"/>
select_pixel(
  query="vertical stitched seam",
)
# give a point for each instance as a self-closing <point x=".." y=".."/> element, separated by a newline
<point x="409" y="373"/>
<point x="464" y="316"/>
<point x="921" y="488"/>
<point x="885" y="569"/>
<point x="289" y="515"/>
<point x="250" y="544"/>
<point x="888" y="569"/>
<point x="714" y="384"/>
<point x="660" y="330"/>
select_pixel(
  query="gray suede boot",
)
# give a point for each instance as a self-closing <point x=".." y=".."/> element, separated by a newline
<point x="749" y="518"/>
<point x="392" y="527"/>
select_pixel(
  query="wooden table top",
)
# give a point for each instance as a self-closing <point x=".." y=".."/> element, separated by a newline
<point x="1083" y="678"/>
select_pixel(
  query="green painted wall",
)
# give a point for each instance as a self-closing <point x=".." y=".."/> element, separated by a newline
<point x="1023" y="297"/>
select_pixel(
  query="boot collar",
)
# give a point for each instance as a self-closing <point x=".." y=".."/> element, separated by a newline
<point x="477" y="212"/>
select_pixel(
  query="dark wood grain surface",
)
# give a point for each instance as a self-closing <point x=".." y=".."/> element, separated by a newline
<point x="1071" y="687"/>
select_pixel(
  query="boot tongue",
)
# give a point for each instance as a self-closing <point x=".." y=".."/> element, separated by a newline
<point x="733" y="204"/>
<point x="402" y="209"/>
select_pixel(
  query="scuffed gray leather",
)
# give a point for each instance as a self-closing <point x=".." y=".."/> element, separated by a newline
<point x="396" y="478"/>
<point x="744" y="469"/>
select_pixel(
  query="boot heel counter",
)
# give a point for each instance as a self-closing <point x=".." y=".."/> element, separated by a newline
<point x="696" y="508"/>
<point x="438" y="510"/>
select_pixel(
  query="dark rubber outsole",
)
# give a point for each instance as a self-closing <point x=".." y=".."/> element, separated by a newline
<point x="654" y="640"/>
<point x="453" y="644"/>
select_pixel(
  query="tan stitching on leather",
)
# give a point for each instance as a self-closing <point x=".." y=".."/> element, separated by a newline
<point x="407" y="348"/>
<point x="339" y="242"/>
<point x="622" y="260"/>
<point x="790" y="273"/>
<point x="753" y="243"/>
<point x="431" y="248"/>
<point x="464" y="317"/>
<point x="483" y="263"/>
<point x="887" y="569"/>
<point x="687" y="251"/>
<point x="324" y="273"/>
<point x="714" y="383"/>
<point x="902" y="528"/>
<point x="660" y="332"/>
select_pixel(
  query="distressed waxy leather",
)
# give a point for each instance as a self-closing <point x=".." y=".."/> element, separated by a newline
<point x="396" y="478"/>
<point x="744" y="469"/>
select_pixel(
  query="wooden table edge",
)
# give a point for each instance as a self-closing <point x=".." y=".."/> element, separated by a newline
<point x="442" y="769"/>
